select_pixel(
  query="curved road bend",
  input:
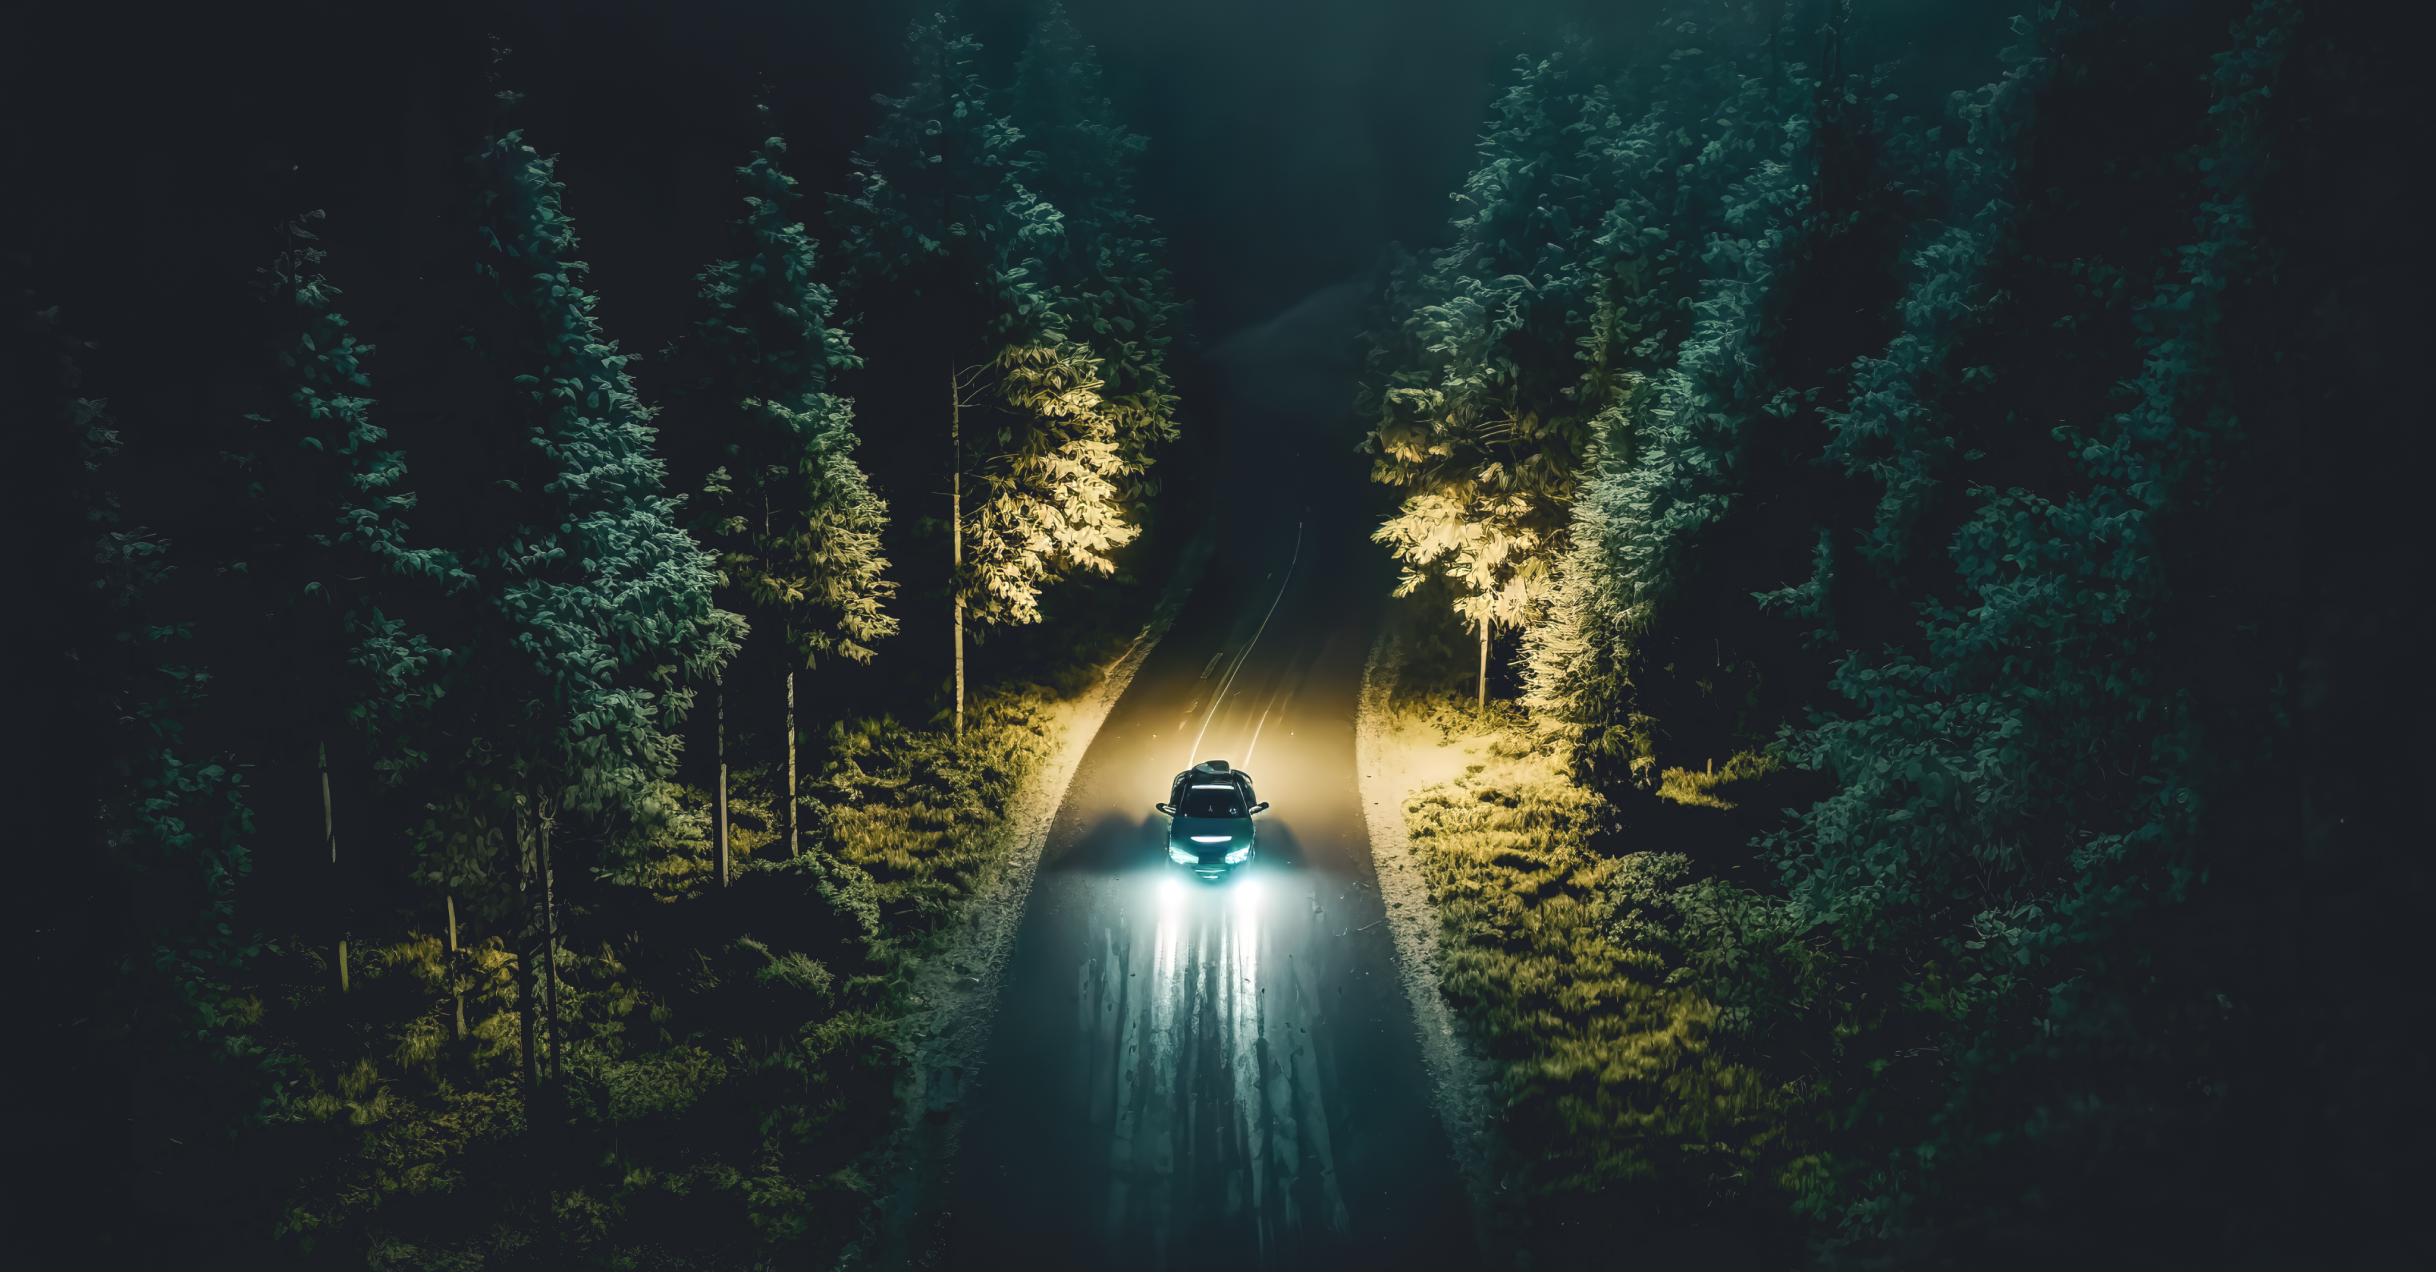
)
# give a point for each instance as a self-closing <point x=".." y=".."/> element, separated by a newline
<point x="1184" y="1077"/>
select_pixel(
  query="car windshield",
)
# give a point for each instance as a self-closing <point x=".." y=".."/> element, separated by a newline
<point x="1213" y="801"/>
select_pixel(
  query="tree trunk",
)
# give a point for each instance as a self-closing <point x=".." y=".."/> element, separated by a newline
<point x="720" y="689"/>
<point x="342" y="965"/>
<point x="794" y="841"/>
<point x="329" y="825"/>
<point x="955" y="521"/>
<point x="456" y="979"/>
<point x="526" y="987"/>
<point x="549" y="947"/>
<point x="1484" y="661"/>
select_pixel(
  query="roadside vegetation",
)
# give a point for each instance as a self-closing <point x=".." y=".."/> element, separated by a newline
<point x="1850" y="485"/>
<point x="1620" y="995"/>
<point x="535" y="771"/>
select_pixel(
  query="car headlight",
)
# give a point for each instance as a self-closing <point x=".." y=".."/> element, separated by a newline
<point x="1239" y="856"/>
<point x="1180" y="856"/>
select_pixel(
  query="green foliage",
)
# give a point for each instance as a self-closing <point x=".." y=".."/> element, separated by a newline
<point x="2014" y="778"/>
<point x="1711" y="162"/>
<point x="1499" y="360"/>
<point x="596" y="607"/>
<point x="924" y="814"/>
<point x="936" y="209"/>
<point x="1047" y="504"/>
<point x="1055" y="315"/>
<point x="2025" y="786"/>
<point x="1684" y="786"/>
<point x="601" y="590"/>
<point x="518" y="1019"/>
<point x="1590" y="980"/>
<point x="1110" y="281"/>
<point x="356" y="489"/>
<point x="802" y="524"/>
<point x="1635" y="517"/>
<point x="666" y="1036"/>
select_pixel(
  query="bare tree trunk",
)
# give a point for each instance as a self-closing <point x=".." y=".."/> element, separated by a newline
<point x="1484" y="661"/>
<point x="955" y="521"/>
<point x="526" y="989"/>
<point x="794" y="842"/>
<point x="329" y="825"/>
<point x="721" y="690"/>
<point x="549" y="946"/>
<point x="329" y="832"/>
<point x="455" y="977"/>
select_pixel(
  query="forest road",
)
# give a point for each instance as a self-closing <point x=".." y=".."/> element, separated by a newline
<point x="1185" y="1076"/>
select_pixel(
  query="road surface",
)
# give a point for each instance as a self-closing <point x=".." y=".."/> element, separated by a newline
<point x="1182" y="1076"/>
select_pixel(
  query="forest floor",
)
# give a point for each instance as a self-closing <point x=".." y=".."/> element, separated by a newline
<point x="955" y="984"/>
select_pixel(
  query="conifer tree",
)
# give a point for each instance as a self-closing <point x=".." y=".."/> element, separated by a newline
<point x="940" y="221"/>
<point x="169" y="804"/>
<point x="593" y="609"/>
<point x="1485" y="397"/>
<point x="339" y="473"/>
<point x="796" y="522"/>
<point x="1703" y="157"/>
<point x="327" y="566"/>
<point x="1111" y="282"/>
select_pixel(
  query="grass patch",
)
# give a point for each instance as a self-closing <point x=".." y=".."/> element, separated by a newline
<point x="1699" y="789"/>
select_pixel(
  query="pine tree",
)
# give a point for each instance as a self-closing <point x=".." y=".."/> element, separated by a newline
<point x="1111" y="283"/>
<point x="1704" y="157"/>
<point x="940" y="222"/>
<point x="797" y="523"/>
<point x="591" y="611"/>
<point x="1481" y="402"/>
<point x="1048" y="502"/>
<point x="322" y="550"/>
<point x="339" y="474"/>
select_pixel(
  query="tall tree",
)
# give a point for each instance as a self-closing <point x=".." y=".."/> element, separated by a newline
<point x="1486" y="393"/>
<point x="1705" y="207"/>
<point x="591" y="609"/>
<point x="795" y="521"/>
<point x="945" y="248"/>
<point x="1109" y="274"/>
<point x="331" y="487"/>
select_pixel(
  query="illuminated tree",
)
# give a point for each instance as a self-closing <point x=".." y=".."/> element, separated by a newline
<point x="948" y="250"/>
<point x="1487" y="391"/>
<point x="1111" y="286"/>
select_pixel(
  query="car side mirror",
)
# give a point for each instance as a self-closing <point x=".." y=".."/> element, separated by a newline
<point x="1261" y="807"/>
<point x="1168" y="809"/>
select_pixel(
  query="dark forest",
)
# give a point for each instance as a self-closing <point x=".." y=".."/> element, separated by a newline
<point x="582" y="559"/>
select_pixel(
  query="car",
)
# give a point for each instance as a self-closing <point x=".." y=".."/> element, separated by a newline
<point x="1210" y="811"/>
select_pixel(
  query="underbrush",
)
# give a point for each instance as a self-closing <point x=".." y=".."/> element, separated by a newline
<point x="1645" y="1018"/>
<point x="726" y="1056"/>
